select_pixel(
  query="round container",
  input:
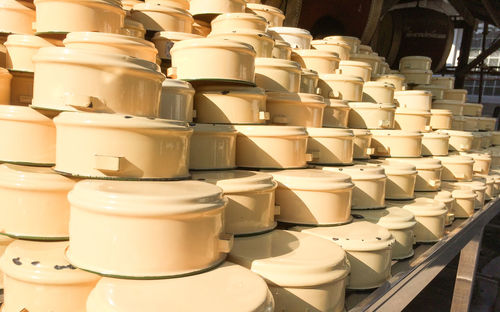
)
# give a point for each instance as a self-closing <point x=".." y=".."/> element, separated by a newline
<point x="342" y="87"/>
<point x="446" y="198"/>
<point x="401" y="179"/>
<point x="417" y="76"/>
<point x="478" y="187"/>
<point x="159" y="17"/>
<point x="458" y="123"/>
<point x="428" y="172"/>
<point x="273" y="15"/>
<point x="282" y="50"/>
<point x="309" y="81"/>
<point x="397" y="80"/>
<point x="176" y="101"/>
<point x="250" y="195"/>
<point x="455" y="95"/>
<point x="303" y="272"/>
<point x="489" y="182"/>
<point x="342" y="48"/>
<point x="356" y="68"/>
<point x="271" y="147"/>
<point x="330" y="146"/>
<point x="435" y="144"/>
<point x="470" y="123"/>
<point x="208" y="10"/>
<point x="414" y="99"/>
<point x="212" y="147"/>
<point x="298" y="38"/>
<point x="95" y="15"/>
<point x="29" y="137"/>
<point x="313" y="197"/>
<point x="455" y="107"/>
<point x="17" y="17"/>
<point x="464" y="205"/>
<point x="397" y="143"/>
<point x="412" y="120"/>
<point x="445" y="82"/>
<point x="368" y="247"/>
<point x="399" y="222"/>
<point x="487" y="123"/>
<point x="228" y="22"/>
<point x="436" y="90"/>
<point x="353" y="42"/>
<point x="230" y="105"/>
<point x="140" y="144"/>
<point x="39" y="278"/>
<point x="295" y="109"/>
<point x="371" y="116"/>
<point x="373" y="60"/>
<point x="456" y="168"/>
<point x="248" y="292"/>
<point x="369" y="185"/>
<point x="21" y="88"/>
<point x="321" y="61"/>
<point x="124" y="215"/>
<point x="415" y="62"/>
<point x="5" y="86"/>
<point x="131" y="27"/>
<point x="378" y="92"/>
<point x="114" y="83"/>
<point x="473" y="109"/>
<point x="441" y="119"/>
<point x="4" y="242"/>
<point x="362" y="144"/>
<point x="336" y="114"/>
<point x="482" y="162"/>
<point x="165" y="40"/>
<point x="20" y="51"/>
<point x="199" y="59"/>
<point x="34" y="203"/>
<point x="430" y="215"/>
<point x="259" y="40"/>
<point x="277" y="75"/>
<point x="459" y="140"/>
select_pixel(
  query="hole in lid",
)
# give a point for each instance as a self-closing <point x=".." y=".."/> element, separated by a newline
<point x="335" y="239"/>
<point x="128" y="117"/>
<point x="36" y="263"/>
<point x="17" y="261"/>
<point x="378" y="238"/>
<point x="357" y="216"/>
<point x="224" y="92"/>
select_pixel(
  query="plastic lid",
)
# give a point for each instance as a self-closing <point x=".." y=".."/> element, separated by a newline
<point x="243" y="32"/>
<point x="455" y="159"/>
<point x="291" y="31"/>
<point x="446" y="112"/>
<point x="263" y="7"/>
<point x="291" y="259"/>
<point x="33" y="178"/>
<point x="341" y="77"/>
<point x="355" y="236"/>
<point x="271" y="131"/>
<point x="360" y="132"/>
<point x="240" y="16"/>
<point x="463" y="194"/>
<point x="237" y="181"/>
<point x="396" y="133"/>
<point x="442" y="196"/>
<point x="307" y="98"/>
<point x="422" y="163"/>
<point x="309" y="72"/>
<point x="157" y="6"/>
<point x="312" y="179"/>
<point x="435" y="135"/>
<point x="177" y="84"/>
<point x="378" y="84"/>
<point x="274" y="62"/>
<point x="229" y="287"/>
<point x="394" y="168"/>
<point x="214" y="43"/>
<point x="456" y="133"/>
<point x="213" y="128"/>
<point x="22" y="113"/>
<point x="415" y="71"/>
<point x="372" y="105"/>
<point x="343" y="38"/>
<point x="330" y="42"/>
<point x="392" y="218"/>
<point x="473" y="185"/>
<point x="429" y="86"/>
<point x="329" y="132"/>
<point x="105" y="38"/>
<point x="42" y="263"/>
<point x="27" y="41"/>
<point x="230" y="90"/>
<point x="174" y="36"/>
<point x="338" y="103"/>
<point x="392" y="76"/>
<point x="355" y="64"/>
<point x="412" y="93"/>
<point x="411" y="111"/>
<point x="415" y="57"/>
<point x="360" y="172"/>
<point x="317" y="53"/>
<point x="478" y="156"/>
<point x="447" y="102"/>
<point x="425" y="207"/>
<point x="363" y="56"/>
<point x="146" y="198"/>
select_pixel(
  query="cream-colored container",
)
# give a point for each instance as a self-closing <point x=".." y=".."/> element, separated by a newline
<point x="112" y="43"/>
<point x="414" y="99"/>
<point x="458" y="123"/>
<point x="271" y="147"/>
<point x="456" y="168"/>
<point x="336" y="114"/>
<point x="20" y="51"/>
<point x="273" y="15"/>
<point x="224" y="104"/>
<point x="397" y="143"/>
<point x="114" y="83"/>
<point x="459" y="140"/>
<point x="202" y="292"/>
<point x="313" y="197"/>
<point x="369" y="185"/>
<point x="250" y="194"/>
<point x="4" y="243"/>
<point x="487" y="123"/>
<point x="435" y="144"/>
<point x="455" y="95"/>
<point x="139" y="145"/>
<point x="396" y="79"/>
<point x="165" y="40"/>
<point x="131" y="27"/>
<point x="446" y="198"/>
<point x="17" y="17"/>
<point x="436" y="90"/>
<point x="371" y="116"/>
<point x="401" y="179"/>
<point x="162" y="17"/>
<point x="259" y="40"/>
<point x="365" y="49"/>
<point x="430" y="215"/>
<point x="428" y="172"/>
<point x="215" y="7"/>
<point x="197" y="59"/>
<point x="342" y="87"/>
<point x="353" y="42"/>
<point x="482" y="162"/>
<point x="183" y="4"/>
<point x="456" y="107"/>
<point x="212" y="147"/>
<point x="373" y="60"/>
<point x="368" y="247"/>
<point x="445" y="82"/>
<point x="489" y="182"/>
<point x="362" y="144"/>
<point x="228" y="22"/>
<point x="441" y="119"/>
<point x="415" y="62"/>
<point x="495" y="138"/>
<point x="34" y="203"/>
<point x="295" y="109"/>
<point x="399" y="222"/>
<point x="309" y="81"/>
<point x="37" y="277"/>
<point x="321" y="61"/>
<point x="21" y="88"/>
<point x="478" y="187"/>
<point x="477" y="141"/>
<point x="356" y="68"/>
<point x="282" y="50"/>
<point x="176" y="101"/>
<point x="473" y="109"/>
<point x="124" y="215"/>
<point x="417" y="76"/>
<point x="298" y="38"/>
<point x="277" y="75"/>
<point x="303" y="272"/>
<point x="5" y="86"/>
<point x="412" y="120"/>
<point x="464" y="205"/>
<point x="30" y="137"/>
<point x="330" y="146"/>
<point x="342" y="48"/>
<point x="378" y="92"/>
<point x="471" y="123"/>
<point x="95" y="15"/>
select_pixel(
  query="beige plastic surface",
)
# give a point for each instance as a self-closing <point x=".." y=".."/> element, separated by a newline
<point x="212" y="147"/>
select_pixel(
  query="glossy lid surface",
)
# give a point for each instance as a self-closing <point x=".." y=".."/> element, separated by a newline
<point x="312" y="179"/>
<point x="422" y="206"/>
<point x="391" y="218"/>
<point x="271" y="131"/>
<point x="360" y="172"/>
<point x="236" y="181"/>
<point x="35" y="178"/>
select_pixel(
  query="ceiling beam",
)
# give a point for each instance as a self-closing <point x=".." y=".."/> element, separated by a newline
<point x="461" y="8"/>
<point x="481" y="57"/>
<point x="494" y="14"/>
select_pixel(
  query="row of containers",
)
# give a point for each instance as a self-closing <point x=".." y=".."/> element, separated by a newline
<point x="356" y="162"/>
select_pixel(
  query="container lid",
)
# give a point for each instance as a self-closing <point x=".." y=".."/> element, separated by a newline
<point x="105" y="38"/>
<point x="331" y="42"/>
<point x="174" y="36"/>
<point x="392" y="218"/>
<point x="355" y="236"/>
<point x="177" y="84"/>
<point x="309" y="72"/>
<point x="473" y="185"/>
<point x="457" y="133"/>
<point x="394" y="168"/>
<point x="230" y="90"/>
<point x="372" y="105"/>
<point x="364" y="56"/>
<point x="474" y="105"/>
<point x="43" y="263"/>
<point x="214" y="43"/>
<point x="416" y="57"/>
<point x="447" y="102"/>
<point x="412" y="93"/>
<point x="243" y="32"/>
<point x="342" y="38"/>
<point x="460" y="91"/>
<point x="312" y="179"/>
<point x="229" y="287"/>
<point x="442" y="196"/>
<point x="478" y="156"/>
<point x="237" y="181"/>
<point x="157" y="6"/>
<point x="317" y="53"/>
<point x="411" y="111"/>
<point x="281" y="43"/>
<point x="392" y="76"/>
<point x="421" y="163"/>
<point x="422" y="206"/>
<point x="360" y="132"/>
<point x="213" y="128"/>
<point x="27" y="41"/>
<point x="485" y="178"/>
<point x="435" y="135"/>
<point x="271" y="131"/>
<point x="274" y="62"/>
<point x="329" y="132"/>
<point x="338" y="103"/>
<point x="429" y="87"/>
<point x="356" y="64"/>
<point x="263" y="7"/>
<point x="240" y="16"/>
<point x="455" y="159"/>
<point x="397" y="133"/>
<point x="288" y="258"/>
<point x="379" y="84"/>
<point x="360" y="172"/>
<point x="22" y="113"/>
<point x="306" y="98"/>
<point x="145" y="198"/>
<point x="445" y="112"/>
<point x="341" y="77"/>
<point x="366" y="48"/>
<point x="463" y="194"/>
<point x="415" y="71"/>
<point x="33" y="178"/>
<point x="291" y="31"/>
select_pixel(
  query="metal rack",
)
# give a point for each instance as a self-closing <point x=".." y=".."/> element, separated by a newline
<point x="409" y="277"/>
